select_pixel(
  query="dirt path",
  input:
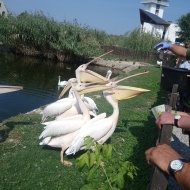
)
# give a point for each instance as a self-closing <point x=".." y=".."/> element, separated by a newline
<point x="125" y="66"/>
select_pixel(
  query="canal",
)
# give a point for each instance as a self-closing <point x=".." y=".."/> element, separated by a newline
<point x="39" y="77"/>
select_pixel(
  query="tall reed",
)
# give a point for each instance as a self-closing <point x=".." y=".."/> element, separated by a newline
<point x="42" y="33"/>
<point x="32" y="33"/>
<point x="140" y="41"/>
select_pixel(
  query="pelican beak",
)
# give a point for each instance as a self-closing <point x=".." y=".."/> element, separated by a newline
<point x="98" y="57"/>
<point x="66" y="88"/>
<point x="90" y="76"/>
<point x="7" y="89"/>
<point x="126" y="92"/>
<point x="92" y="88"/>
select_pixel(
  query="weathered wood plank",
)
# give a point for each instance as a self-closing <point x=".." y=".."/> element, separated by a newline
<point x="159" y="179"/>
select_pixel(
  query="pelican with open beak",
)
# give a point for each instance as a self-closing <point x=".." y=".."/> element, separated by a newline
<point x="103" y="129"/>
<point x="84" y="75"/>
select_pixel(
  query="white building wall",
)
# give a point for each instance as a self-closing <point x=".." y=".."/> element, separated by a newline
<point x="3" y="9"/>
<point x="152" y="9"/>
<point x="171" y="32"/>
<point x="150" y="6"/>
<point x="157" y="30"/>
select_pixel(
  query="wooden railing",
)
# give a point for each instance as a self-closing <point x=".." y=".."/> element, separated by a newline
<point x="159" y="179"/>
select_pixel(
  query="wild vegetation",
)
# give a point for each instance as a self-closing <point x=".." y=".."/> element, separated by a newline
<point x="184" y="24"/>
<point x="38" y="35"/>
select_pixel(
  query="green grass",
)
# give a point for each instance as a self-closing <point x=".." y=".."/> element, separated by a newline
<point x="26" y="165"/>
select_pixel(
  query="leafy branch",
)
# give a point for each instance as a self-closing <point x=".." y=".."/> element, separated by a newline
<point x="98" y="160"/>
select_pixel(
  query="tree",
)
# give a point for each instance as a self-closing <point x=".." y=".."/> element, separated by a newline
<point x="184" y="24"/>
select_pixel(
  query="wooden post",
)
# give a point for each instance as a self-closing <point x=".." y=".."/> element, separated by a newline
<point x="159" y="179"/>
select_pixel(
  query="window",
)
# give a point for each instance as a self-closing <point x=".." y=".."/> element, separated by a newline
<point x="156" y="12"/>
<point x="157" y="7"/>
<point x="0" y="4"/>
<point x="3" y="13"/>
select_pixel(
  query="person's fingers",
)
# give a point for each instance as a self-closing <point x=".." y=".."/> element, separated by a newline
<point x="158" y="123"/>
<point x="148" y="155"/>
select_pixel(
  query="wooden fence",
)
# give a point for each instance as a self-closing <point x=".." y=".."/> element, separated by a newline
<point x="131" y="54"/>
<point x="159" y="179"/>
<point x="127" y="54"/>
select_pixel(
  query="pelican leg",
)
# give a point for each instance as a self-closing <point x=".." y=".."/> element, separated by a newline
<point x="65" y="162"/>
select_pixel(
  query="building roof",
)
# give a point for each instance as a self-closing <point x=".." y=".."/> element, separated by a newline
<point x="148" y="17"/>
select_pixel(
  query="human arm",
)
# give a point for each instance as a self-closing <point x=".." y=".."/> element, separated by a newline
<point x="178" y="50"/>
<point x="168" y="118"/>
<point x="161" y="156"/>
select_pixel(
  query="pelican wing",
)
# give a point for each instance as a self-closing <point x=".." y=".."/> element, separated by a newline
<point x="55" y="109"/>
<point x="59" y="127"/>
<point x="95" y="130"/>
<point x="78" y="116"/>
<point x="59" y="141"/>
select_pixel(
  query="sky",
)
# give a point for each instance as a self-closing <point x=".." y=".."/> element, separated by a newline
<point x="112" y="16"/>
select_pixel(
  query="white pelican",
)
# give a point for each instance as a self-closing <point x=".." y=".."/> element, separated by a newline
<point x="58" y="127"/>
<point x="62" y="135"/>
<point x="7" y="89"/>
<point x="69" y="106"/>
<point x="61" y="83"/>
<point x="84" y="75"/>
<point x="102" y="130"/>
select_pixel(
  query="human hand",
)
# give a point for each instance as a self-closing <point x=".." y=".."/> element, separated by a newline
<point x="161" y="156"/>
<point x="163" y="45"/>
<point x="165" y="118"/>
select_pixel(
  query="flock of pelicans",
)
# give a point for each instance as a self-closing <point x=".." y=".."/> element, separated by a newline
<point x="76" y="116"/>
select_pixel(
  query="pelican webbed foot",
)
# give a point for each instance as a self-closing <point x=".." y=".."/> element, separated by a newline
<point x="65" y="162"/>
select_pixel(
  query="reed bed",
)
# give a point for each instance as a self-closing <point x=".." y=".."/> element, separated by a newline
<point x="35" y="34"/>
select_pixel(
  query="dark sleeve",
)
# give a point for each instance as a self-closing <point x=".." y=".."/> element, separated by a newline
<point x="188" y="54"/>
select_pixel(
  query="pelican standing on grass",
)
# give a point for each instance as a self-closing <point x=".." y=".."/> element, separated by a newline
<point x="61" y="133"/>
<point x="103" y="129"/>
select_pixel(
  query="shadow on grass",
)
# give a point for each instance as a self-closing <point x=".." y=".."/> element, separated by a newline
<point x="7" y="127"/>
<point x="145" y="136"/>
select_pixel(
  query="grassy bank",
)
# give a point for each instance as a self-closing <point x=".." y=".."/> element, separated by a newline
<point x="26" y="165"/>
